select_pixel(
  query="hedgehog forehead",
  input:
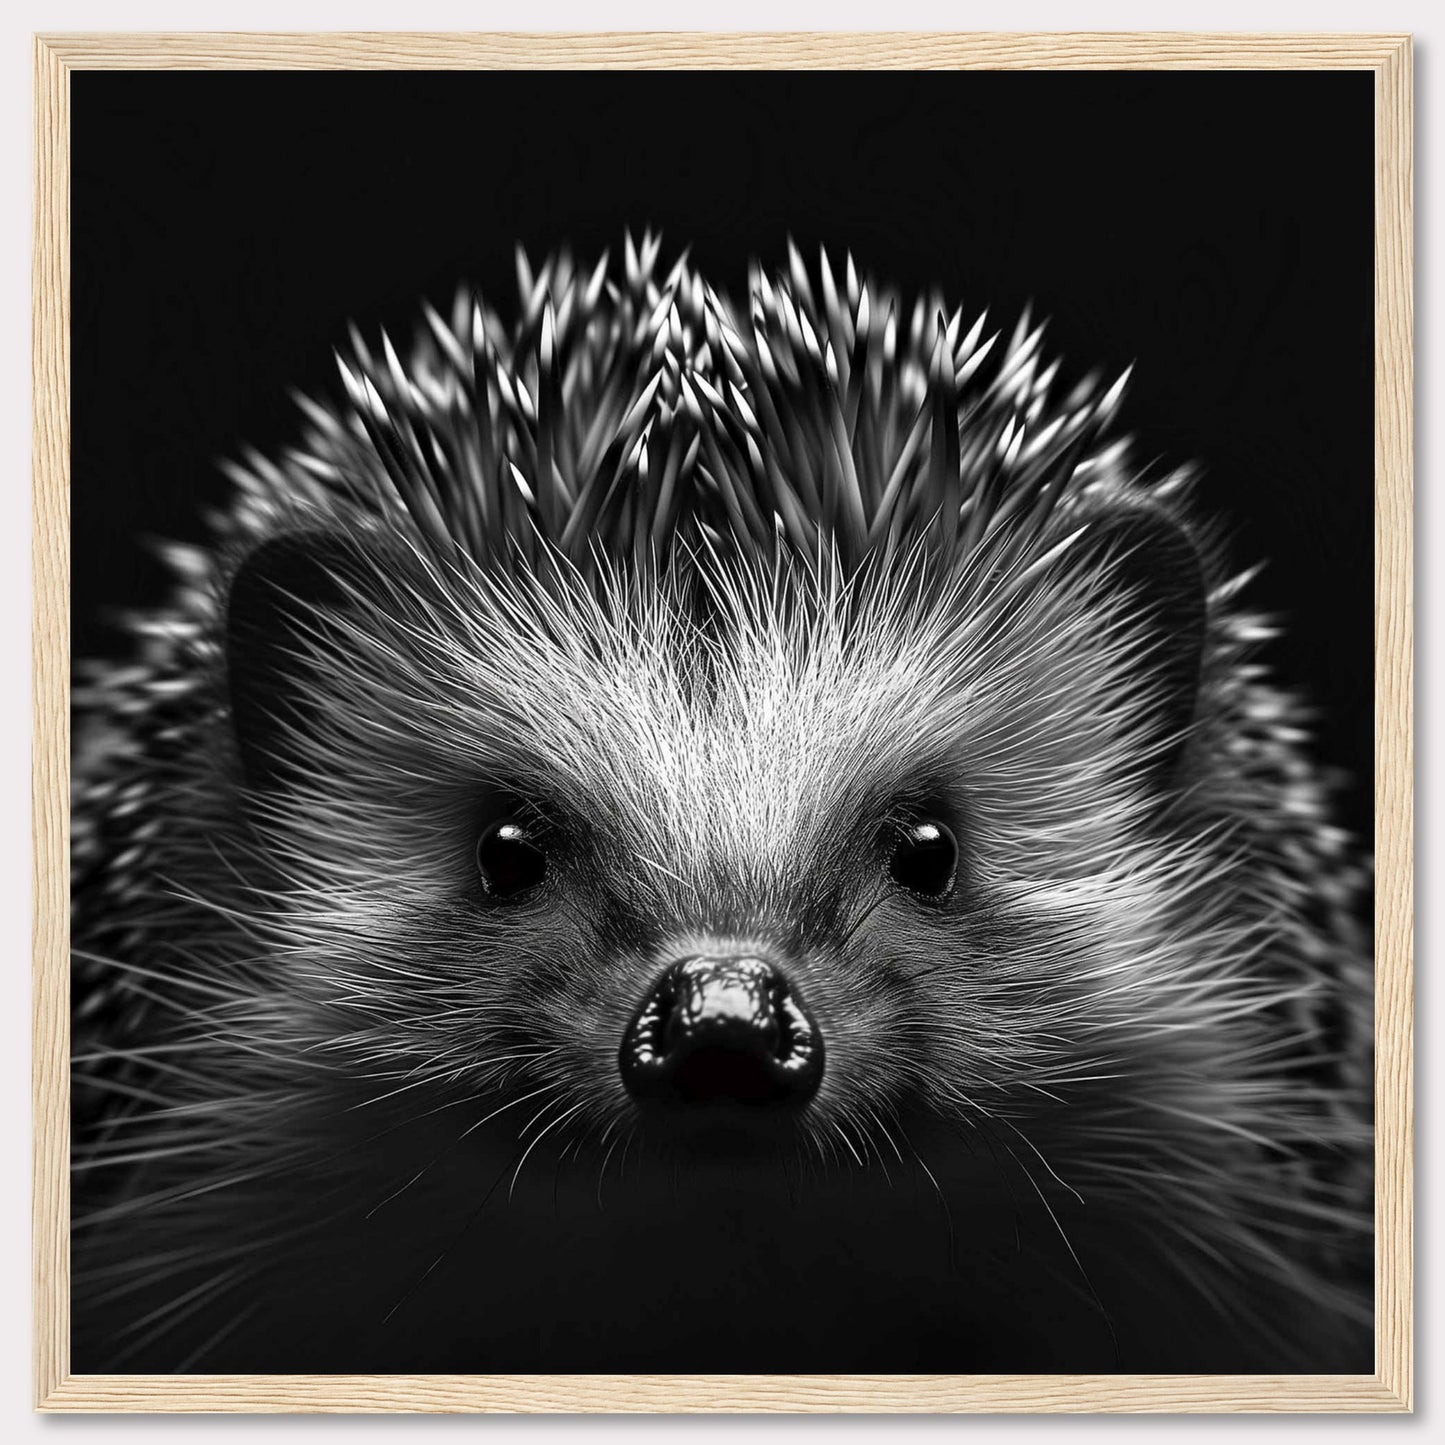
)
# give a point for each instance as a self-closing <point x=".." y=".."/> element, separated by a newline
<point x="757" y="742"/>
<point x="761" y="741"/>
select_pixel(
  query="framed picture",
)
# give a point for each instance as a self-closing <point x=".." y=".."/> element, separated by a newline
<point x="723" y="722"/>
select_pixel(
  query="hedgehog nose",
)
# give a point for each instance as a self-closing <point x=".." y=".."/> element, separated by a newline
<point x="728" y="1030"/>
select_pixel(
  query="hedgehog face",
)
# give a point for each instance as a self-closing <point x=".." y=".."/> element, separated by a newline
<point x="839" y="846"/>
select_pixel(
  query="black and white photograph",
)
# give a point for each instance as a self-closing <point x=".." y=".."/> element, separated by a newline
<point x="722" y="722"/>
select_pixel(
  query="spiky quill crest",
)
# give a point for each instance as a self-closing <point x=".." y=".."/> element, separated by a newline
<point x="825" y="524"/>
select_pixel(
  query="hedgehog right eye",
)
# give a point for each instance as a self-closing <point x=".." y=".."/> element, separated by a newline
<point x="510" y="859"/>
<point x="925" y="859"/>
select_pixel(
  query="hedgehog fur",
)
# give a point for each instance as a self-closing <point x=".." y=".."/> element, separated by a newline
<point x="719" y="594"/>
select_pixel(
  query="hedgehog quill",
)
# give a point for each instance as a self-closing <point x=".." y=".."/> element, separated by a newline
<point x="670" y="835"/>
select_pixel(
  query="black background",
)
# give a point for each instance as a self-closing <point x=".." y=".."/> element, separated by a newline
<point x="1215" y="229"/>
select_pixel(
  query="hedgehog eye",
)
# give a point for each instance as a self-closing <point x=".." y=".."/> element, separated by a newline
<point x="510" y="859"/>
<point x="925" y="859"/>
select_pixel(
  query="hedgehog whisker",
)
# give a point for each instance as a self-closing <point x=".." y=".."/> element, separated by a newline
<point x="560" y="1119"/>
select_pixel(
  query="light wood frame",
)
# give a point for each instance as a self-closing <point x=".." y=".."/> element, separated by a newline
<point x="1389" y="1388"/>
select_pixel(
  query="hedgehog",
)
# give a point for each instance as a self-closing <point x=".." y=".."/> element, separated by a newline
<point x="676" y="835"/>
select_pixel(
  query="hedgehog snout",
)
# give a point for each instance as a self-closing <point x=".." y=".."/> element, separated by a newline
<point x="722" y="1030"/>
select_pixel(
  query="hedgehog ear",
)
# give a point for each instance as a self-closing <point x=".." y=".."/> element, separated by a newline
<point x="280" y="624"/>
<point x="1148" y="553"/>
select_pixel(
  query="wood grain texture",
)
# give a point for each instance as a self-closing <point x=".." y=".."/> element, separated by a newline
<point x="1389" y="1389"/>
<point x="704" y="1394"/>
<point x="1394" y="641"/>
<point x="776" y="51"/>
<point x="50" y="748"/>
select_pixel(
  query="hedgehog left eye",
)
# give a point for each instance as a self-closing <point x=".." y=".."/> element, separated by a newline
<point x="925" y="859"/>
<point x="510" y="859"/>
